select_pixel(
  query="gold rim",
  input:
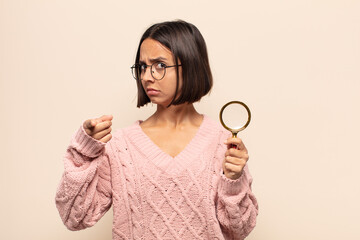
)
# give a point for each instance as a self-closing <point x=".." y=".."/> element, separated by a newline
<point x="235" y="131"/>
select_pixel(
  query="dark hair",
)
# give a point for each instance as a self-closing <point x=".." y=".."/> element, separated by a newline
<point x="188" y="46"/>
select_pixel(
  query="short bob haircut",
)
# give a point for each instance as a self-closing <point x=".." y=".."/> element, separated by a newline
<point x="188" y="46"/>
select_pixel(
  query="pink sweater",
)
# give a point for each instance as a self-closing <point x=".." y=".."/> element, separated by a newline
<point x="154" y="195"/>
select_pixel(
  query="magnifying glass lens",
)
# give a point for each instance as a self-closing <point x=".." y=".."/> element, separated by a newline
<point x="235" y="116"/>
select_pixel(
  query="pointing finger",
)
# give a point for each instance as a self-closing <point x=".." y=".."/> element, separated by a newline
<point x="105" y="118"/>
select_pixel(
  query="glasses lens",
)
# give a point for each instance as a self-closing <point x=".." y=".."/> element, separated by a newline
<point x="158" y="70"/>
<point x="135" y="71"/>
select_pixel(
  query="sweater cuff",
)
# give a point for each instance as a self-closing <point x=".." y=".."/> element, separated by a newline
<point x="233" y="187"/>
<point x="87" y="145"/>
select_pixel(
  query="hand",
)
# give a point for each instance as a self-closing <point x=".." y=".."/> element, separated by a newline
<point x="235" y="158"/>
<point x="99" y="128"/>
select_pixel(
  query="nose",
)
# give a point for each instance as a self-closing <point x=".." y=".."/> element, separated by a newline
<point x="147" y="76"/>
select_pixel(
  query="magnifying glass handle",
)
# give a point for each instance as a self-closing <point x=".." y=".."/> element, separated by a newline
<point x="234" y="135"/>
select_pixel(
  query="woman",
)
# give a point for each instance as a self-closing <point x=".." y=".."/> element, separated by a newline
<point x="172" y="176"/>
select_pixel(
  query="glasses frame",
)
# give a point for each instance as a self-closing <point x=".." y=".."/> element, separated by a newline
<point x="133" y="69"/>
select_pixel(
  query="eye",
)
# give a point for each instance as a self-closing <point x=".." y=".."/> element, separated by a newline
<point x="160" y="65"/>
<point x="142" y="67"/>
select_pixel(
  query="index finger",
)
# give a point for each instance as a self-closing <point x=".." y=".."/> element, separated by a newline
<point x="236" y="141"/>
<point x="104" y="118"/>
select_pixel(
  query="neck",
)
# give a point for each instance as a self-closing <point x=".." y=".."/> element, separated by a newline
<point x="178" y="115"/>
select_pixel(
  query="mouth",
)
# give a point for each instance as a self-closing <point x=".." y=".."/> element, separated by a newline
<point x="152" y="91"/>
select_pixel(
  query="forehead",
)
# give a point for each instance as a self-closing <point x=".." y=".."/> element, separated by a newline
<point x="152" y="49"/>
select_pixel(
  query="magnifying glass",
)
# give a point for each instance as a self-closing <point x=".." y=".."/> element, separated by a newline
<point x="235" y="116"/>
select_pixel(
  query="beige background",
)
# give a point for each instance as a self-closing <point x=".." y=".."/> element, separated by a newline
<point x="295" y="63"/>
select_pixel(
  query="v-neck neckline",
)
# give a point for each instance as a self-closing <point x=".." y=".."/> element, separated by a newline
<point x="148" y="139"/>
<point x="162" y="159"/>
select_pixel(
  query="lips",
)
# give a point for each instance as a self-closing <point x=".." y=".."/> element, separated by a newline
<point x="152" y="91"/>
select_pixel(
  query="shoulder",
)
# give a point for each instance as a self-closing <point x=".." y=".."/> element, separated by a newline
<point x="121" y="132"/>
<point x="216" y="128"/>
<point x="216" y="147"/>
<point x="120" y="135"/>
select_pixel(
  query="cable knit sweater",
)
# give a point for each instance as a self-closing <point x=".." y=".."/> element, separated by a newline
<point x="154" y="195"/>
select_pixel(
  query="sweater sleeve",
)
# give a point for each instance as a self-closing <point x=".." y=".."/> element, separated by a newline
<point x="236" y="205"/>
<point x="84" y="193"/>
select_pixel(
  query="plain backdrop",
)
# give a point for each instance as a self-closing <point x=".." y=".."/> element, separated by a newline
<point x="294" y="63"/>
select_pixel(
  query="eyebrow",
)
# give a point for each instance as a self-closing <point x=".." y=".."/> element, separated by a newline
<point x="158" y="59"/>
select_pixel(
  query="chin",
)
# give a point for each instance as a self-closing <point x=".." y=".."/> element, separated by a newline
<point x="159" y="101"/>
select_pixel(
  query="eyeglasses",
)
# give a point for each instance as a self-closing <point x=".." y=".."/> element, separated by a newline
<point x="157" y="70"/>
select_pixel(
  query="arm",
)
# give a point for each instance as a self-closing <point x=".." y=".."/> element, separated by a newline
<point x="237" y="207"/>
<point x="84" y="193"/>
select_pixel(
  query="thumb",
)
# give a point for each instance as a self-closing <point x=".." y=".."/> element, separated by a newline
<point x="90" y="123"/>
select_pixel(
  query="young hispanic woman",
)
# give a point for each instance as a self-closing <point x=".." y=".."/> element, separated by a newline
<point x="172" y="176"/>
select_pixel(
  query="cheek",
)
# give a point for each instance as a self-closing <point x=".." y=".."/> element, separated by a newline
<point x="180" y="81"/>
<point x="180" y="85"/>
<point x="180" y="77"/>
<point x="143" y="84"/>
<point x="174" y="85"/>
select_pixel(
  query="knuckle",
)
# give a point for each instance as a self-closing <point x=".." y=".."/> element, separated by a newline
<point x="237" y="161"/>
<point x="227" y="153"/>
<point x="87" y="123"/>
<point x="238" y="169"/>
<point x="228" y="166"/>
<point x="243" y="162"/>
<point x="232" y="151"/>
